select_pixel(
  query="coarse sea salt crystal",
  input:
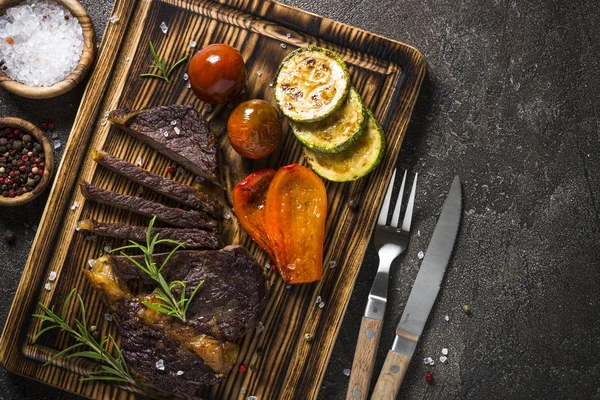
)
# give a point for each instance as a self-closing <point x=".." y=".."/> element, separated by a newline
<point x="160" y="365"/>
<point x="332" y="264"/>
<point x="107" y="249"/>
<point x="321" y="304"/>
<point x="443" y="359"/>
<point x="318" y="299"/>
<point x="48" y="286"/>
<point x="283" y="46"/>
<point x="91" y="262"/>
<point x="227" y="215"/>
<point x="252" y="398"/>
<point x="347" y="371"/>
<point x="41" y="45"/>
<point x="447" y="318"/>
<point x="177" y="131"/>
<point x="243" y="389"/>
<point x="52" y="276"/>
<point x="75" y="205"/>
<point x="428" y="361"/>
<point x="108" y="317"/>
<point x="114" y="19"/>
<point x="56" y="144"/>
<point x="192" y="43"/>
<point x="180" y="373"/>
<point x="445" y="351"/>
<point x="260" y="327"/>
<point x="139" y="161"/>
<point x="163" y="27"/>
<point x="186" y="76"/>
<point x="420" y="254"/>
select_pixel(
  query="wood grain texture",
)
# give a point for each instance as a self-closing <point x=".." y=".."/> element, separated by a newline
<point x="76" y="76"/>
<point x="364" y="358"/>
<point x="391" y="376"/>
<point x="41" y="138"/>
<point x="281" y="363"/>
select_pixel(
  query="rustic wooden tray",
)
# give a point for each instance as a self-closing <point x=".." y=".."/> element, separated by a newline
<point x="282" y="364"/>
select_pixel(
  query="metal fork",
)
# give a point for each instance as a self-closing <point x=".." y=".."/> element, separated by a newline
<point x="390" y="242"/>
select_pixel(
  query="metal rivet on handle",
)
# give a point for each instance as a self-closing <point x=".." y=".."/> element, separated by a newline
<point x="356" y="394"/>
<point x="370" y="333"/>
<point x="395" y="369"/>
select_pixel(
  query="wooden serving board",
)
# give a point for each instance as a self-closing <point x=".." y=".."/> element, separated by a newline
<point x="282" y="364"/>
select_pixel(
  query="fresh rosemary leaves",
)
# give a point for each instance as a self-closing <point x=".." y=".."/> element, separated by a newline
<point x="113" y="369"/>
<point x="171" y="304"/>
<point x="161" y="65"/>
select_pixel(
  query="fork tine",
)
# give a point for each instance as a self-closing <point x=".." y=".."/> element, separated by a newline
<point x="386" y="201"/>
<point x="409" y="208"/>
<point x="396" y="216"/>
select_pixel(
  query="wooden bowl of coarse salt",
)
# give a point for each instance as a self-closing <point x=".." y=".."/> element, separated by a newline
<point x="46" y="47"/>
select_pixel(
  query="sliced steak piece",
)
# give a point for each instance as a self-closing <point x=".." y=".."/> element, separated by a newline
<point x="191" y="238"/>
<point x="233" y="293"/>
<point x="157" y="346"/>
<point x="183" y="194"/>
<point x="177" y="131"/>
<point x="137" y="205"/>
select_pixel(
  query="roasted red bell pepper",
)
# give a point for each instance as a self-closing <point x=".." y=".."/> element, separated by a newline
<point x="249" y="199"/>
<point x="295" y="215"/>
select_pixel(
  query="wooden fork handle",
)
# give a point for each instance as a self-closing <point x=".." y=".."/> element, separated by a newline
<point x="364" y="358"/>
<point x="391" y="376"/>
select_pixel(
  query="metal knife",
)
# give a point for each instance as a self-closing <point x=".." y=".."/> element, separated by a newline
<point x="422" y="297"/>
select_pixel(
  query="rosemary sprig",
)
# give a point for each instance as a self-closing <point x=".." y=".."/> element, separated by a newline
<point x="161" y="65"/>
<point x="114" y="369"/>
<point x="172" y="305"/>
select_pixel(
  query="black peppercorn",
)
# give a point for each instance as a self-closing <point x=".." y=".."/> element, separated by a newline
<point x="9" y="236"/>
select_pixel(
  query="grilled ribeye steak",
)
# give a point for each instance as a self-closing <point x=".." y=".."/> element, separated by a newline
<point x="228" y="304"/>
<point x="191" y="238"/>
<point x="137" y="205"/>
<point x="175" y="357"/>
<point x="183" y="194"/>
<point x="177" y="131"/>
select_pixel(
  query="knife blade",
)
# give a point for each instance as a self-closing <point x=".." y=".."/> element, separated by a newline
<point x="422" y="296"/>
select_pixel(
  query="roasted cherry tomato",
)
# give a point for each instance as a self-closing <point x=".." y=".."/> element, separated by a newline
<point x="254" y="129"/>
<point x="217" y="73"/>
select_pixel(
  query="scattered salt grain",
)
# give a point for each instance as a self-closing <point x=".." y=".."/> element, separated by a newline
<point x="179" y="373"/>
<point x="107" y="249"/>
<point x="428" y="361"/>
<point x="77" y="228"/>
<point x="75" y="205"/>
<point x="243" y="389"/>
<point x="271" y="84"/>
<point x="186" y="76"/>
<point x="227" y="215"/>
<point x="163" y="27"/>
<point x="447" y="318"/>
<point x="332" y="264"/>
<point x="288" y="286"/>
<point x="104" y="121"/>
<point x="209" y="107"/>
<point x="318" y="299"/>
<point x="54" y="135"/>
<point x="108" y="317"/>
<point x="160" y="365"/>
<point x="91" y="262"/>
<point x="57" y="144"/>
<point x="114" y="19"/>
<point x="192" y="43"/>
<point x="199" y="179"/>
<point x="34" y="228"/>
<point x="48" y="286"/>
<point x="52" y="276"/>
<point x="260" y="327"/>
<point x="177" y="131"/>
<point x="166" y="134"/>
<point x="445" y="351"/>
<point x="289" y="35"/>
<point x="283" y="46"/>
<point x="139" y="161"/>
<point x="268" y="266"/>
<point x="420" y="254"/>
<point x="174" y="122"/>
<point x="347" y="371"/>
<point x="321" y="304"/>
<point x="252" y="398"/>
<point x="189" y="85"/>
<point x="443" y="359"/>
<point x="42" y="44"/>
<point x="259" y="73"/>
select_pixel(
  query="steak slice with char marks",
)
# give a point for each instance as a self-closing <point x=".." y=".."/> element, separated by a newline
<point x="191" y="238"/>
<point x="189" y="141"/>
<point x="232" y="295"/>
<point x="183" y="194"/>
<point x="137" y="205"/>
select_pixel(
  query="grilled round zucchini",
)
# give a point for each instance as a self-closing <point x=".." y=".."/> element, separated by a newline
<point x="311" y="84"/>
<point x="356" y="161"/>
<point x="336" y="132"/>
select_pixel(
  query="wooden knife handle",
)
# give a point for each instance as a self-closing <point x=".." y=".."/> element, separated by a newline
<point x="364" y="359"/>
<point x="391" y="376"/>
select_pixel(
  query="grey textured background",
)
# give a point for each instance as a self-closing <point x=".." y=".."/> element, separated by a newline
<point x="510" y="104"/>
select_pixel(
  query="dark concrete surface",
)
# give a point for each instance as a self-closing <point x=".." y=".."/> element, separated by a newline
<point x="510" y="103"/>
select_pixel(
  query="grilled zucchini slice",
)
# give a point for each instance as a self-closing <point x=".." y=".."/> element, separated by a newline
<point x="356" y="161"/>
<point x="336" y="132"/>
<point x="311" y="84"/>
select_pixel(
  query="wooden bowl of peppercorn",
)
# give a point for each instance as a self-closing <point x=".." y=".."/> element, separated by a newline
<point x="26" y="161"/>
<point x="76" y="76"/>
